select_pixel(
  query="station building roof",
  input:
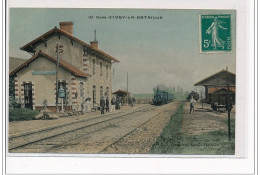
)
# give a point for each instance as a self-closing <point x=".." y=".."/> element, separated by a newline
<point x="222" y="91"/>
<point x="63" y="64"/>
<point x="55" y="31"/>
<point x="121" y="92"/>
<point x="218" y="79"/>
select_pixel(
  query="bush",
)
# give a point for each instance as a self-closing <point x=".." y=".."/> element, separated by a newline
<point x="11" y="87"/>
<point x="13" y="103"/>
<point x="21" y="114"/>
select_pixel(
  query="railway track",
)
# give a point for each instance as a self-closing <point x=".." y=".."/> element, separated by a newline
<point x="128" y="133"/>
<point x="60" y="134"/>
<point x="168" y="112"/>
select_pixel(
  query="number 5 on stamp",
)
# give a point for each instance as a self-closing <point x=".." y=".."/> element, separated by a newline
<point x="215" y="33"/>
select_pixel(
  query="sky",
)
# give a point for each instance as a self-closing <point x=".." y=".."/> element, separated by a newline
<point x="153" y="51"/>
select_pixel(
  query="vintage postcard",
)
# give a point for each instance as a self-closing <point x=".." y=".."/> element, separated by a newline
<point x="122" y="81"/>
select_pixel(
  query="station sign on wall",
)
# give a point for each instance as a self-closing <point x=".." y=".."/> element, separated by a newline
<point x="43" y="72"/>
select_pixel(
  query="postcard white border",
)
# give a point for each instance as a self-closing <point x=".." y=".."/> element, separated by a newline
<point x="244" y="70"/>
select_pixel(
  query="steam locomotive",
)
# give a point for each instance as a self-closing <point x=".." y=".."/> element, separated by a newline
<point x="162" y="97"/>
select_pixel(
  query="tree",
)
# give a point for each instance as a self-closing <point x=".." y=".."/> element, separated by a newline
<point x="11" y="87"/>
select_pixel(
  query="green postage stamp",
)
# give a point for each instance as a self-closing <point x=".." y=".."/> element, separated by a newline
<point x="215" y="33"/>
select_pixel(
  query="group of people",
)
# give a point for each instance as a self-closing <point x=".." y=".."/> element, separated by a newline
<point x="104" y="104"/>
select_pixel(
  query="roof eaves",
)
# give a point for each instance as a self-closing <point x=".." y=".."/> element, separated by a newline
<point x="26" y="47"/>
<point x="199" y="83"/>
<point x="38" y="38"/>
<point x="68" y="66"/>
<point x="63" y="63"/>
<point x="23" y="65"/>
<point x="122" y="91"/>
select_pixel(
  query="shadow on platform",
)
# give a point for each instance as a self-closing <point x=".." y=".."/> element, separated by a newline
<point x="203" y="110"/>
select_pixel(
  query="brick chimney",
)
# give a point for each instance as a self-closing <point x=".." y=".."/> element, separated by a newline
<point x="94" y="44"/>
<point x="67" y="27"/>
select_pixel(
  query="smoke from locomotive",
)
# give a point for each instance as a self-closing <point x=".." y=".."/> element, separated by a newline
<point x="195" y="96"/>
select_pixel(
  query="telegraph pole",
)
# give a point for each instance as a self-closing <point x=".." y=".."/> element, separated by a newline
<point x="57" y="78"/>
<point x="228" y="106"/>
<point x="201" y="98"/>
<point x="127" y="88"/>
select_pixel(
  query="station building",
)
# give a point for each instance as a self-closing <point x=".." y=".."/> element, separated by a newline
<point x="122" y="94"/>
<point x="216" y="86"/>
<point x="84" y="71"/>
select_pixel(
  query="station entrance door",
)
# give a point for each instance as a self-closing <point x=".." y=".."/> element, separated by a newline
<point x="28" y="95"/>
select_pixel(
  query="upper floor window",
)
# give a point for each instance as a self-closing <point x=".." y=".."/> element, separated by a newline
<point x="101" y="73"/>
<point x="106" y="71"/>
<point x="93" y="67"/>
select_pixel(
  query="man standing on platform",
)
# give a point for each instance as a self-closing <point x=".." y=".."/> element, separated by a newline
<point x="107" y="104"/>
<point x="192" y="103"/>
<point x="102" y="105"/>
<point x="113" y="104"/>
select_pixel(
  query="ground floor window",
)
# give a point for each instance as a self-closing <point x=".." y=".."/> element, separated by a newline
<point x="107" y="91"/>
<point x="28" y="101"/>
<point x="82" y="89"/>
<point x="101" y="92"/>
<point x="94" y="94"/>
